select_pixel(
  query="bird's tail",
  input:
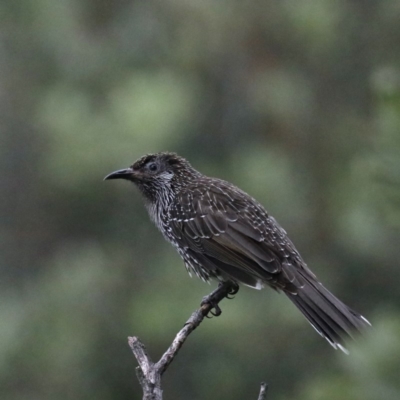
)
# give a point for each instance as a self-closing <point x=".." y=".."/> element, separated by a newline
<point x="331" y="318"/>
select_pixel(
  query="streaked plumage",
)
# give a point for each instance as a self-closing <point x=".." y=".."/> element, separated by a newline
<point x="221" y="232"/>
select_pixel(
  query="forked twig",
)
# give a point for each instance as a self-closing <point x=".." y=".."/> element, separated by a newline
<point x="149" y="373"/>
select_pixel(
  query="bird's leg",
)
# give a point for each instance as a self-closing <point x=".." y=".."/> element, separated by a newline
<point x="227" y="288"/>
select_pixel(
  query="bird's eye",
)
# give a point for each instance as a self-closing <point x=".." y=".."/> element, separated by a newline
<point x="152" y="167"/>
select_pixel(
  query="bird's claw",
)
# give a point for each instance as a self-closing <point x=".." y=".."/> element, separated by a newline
<point x="233" y="291"/>
<point x="214" y="306"/>
<point x="217" y="311"/>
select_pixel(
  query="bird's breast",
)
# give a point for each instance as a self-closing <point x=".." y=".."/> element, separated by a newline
<point x="159" y="215"/>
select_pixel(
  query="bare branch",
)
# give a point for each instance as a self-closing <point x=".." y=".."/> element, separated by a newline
<point x="263" y="391"/>
<point x="149" y="373"/>
<point x="139" y="350"/>
<point x="149" y="378"/>
<point x="191" y="324"/>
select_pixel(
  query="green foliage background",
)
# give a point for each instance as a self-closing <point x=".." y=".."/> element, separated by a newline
<point x="297" y="102"/>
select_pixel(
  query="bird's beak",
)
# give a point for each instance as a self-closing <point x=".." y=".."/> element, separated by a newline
<point x="126" y="173"/>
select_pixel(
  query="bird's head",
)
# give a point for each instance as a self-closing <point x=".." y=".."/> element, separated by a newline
<point x="156" y="173"/>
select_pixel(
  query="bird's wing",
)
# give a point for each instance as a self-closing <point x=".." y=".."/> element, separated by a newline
<point x="224" y="230"/>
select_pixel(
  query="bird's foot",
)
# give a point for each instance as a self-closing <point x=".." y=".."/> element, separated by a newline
<point x="215" y="297"/>
<point x="210" y="299"/>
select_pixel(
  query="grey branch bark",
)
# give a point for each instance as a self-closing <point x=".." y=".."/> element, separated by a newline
<point x="149" y="373"/>
<point x="263" y="391"/>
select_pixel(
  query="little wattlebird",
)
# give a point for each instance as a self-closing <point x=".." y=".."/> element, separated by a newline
<point x="221" y="232"/>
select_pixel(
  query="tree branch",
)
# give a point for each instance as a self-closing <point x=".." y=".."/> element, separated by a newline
<point x="263" y="391"/>
<point x="149" y="373"/>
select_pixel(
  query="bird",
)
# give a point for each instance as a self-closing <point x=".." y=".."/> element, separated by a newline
<point x="223" y="233"/>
